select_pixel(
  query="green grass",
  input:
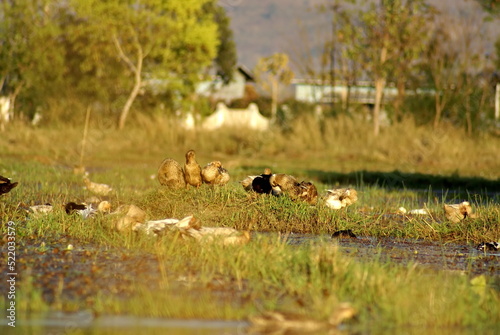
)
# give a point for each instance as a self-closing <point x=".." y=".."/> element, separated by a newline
<point x="216" y="282"/>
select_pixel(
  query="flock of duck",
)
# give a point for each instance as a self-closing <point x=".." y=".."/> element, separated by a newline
<point x="172" y="175"/>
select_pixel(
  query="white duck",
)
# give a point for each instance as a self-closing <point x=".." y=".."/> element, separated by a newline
<point x="457" y="212"/>
<point x="96" y="188"/>
<point x="340" y="198"/>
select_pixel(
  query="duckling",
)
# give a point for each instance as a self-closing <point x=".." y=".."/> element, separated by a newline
<point x="170" y="174"/>
<point x="6" y="185"/>
<point x="282" y="183"/>
<point x="261" y="184"/>
<point x="215" y="174"/>
<point x="340" y="198"/>
<point x="192" y="170"/>
<point x="274" y="322"/>
<point x="457" y="212"/>
<point x="96" y="188"/>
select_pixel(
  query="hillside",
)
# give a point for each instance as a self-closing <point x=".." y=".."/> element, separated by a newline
<point x="264" y="27"/>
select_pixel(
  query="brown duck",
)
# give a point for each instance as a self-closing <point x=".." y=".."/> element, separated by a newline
<point x="170" y="174"/>
<point x="282" y="183"/>
<point x="286" y="184"/>
<point x="215" y="174"/>
<point x="192" y="170"/>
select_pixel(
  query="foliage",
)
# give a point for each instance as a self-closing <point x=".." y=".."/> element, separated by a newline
<point x="104" y="53"/>
<point x="271" y="72"/>
<point x="226" y="59"/>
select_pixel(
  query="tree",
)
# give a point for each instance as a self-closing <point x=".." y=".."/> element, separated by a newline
<point x="394" y="36"/>
<point x="270" y="72"/>
<point x="170" y="40"/>
<point x="30" y="55"/>
<point x="376" y="44"/>
<point x="226" y="59"/>
<point x="442" y="69"/>
<point x="411" y="37"/>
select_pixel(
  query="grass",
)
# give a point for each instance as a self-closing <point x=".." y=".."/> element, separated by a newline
<point x="175" y="278"/>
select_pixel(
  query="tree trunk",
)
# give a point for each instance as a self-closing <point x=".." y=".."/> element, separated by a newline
<point x="398" y="103"/>
<point x="130" y="100"/>
<point x="136" y="70"/>
<point x="274" y="99"/>
<point x="379" y="90"/>
<point x="439" y="109"/>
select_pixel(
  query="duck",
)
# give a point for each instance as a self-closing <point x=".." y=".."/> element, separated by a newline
<point x="6" y="185"/>
<point x="71" y="207"/>
<point x="458" y="212"/>
<point x="416" y="211"/>
<point x="96" y="188"/>
<point x="340" y="198"/>
<point x="282" y="183"/>
<point x="86" y="211"/>
<point x="192" y="170"/>
<point x="346" y="233"/>
<point x="276" y="322"/>
<point x="129" y="218"/>
<point x="170" y="174"/>
<point x="40" y="210"/>
<point x="488" y="246"/>
<point x="215" y="174"/>
<point x="247" y="183"/>
<point x="287" y="184"/>
<point x="261" y="184"/>
<point x="306" y="191"/>
<point x="190" y="227"/>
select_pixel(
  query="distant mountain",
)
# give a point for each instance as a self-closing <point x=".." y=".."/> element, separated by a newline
<point x="264" y="27"/>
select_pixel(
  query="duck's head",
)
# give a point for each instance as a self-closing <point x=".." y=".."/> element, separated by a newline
<point x="217" y="164"/>
<point x="190" y="155"/>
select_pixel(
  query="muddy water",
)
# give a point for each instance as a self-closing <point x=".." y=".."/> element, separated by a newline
<point x="431" y="254"/>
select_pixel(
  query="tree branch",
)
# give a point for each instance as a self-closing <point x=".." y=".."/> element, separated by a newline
<point x="122" y="55"/>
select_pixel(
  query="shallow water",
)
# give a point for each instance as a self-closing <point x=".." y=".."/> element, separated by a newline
<point x="431" y="254"/>
<point x="84" y="322"/>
